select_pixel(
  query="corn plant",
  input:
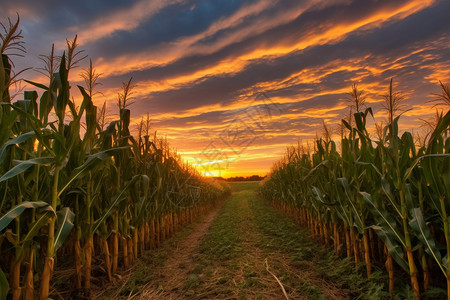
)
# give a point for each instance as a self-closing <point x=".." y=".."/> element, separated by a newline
<point x="123" y="193"/>
<point x="387" y="186"/>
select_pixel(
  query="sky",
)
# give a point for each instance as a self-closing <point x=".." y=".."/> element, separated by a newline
<point x="231" y="83"/>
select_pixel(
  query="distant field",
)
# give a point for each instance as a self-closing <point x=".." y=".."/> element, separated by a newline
<point x="243" y="185"/>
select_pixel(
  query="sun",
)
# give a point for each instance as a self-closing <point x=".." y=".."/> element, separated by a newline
<point x="212" y="173"/>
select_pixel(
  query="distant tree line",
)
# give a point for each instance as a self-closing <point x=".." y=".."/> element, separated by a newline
<point x="242" y="178"/>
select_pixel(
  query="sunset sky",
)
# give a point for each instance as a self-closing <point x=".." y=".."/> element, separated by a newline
<point x="232" y="83"/>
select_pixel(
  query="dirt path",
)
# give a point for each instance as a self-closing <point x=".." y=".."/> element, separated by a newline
<point x="171" y="276"/>
<point x="255" y="265"/>
<point x="236" y="268"/>
<point x="246" y="250"/>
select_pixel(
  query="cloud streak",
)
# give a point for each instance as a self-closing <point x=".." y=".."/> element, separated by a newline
<point x="199" y="64"/>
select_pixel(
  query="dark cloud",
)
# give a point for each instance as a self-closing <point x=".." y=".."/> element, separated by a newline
<point x="170" y="23"/>
<point x="56" y="16"/>
<point x="308" y="23"/>
<point x="408" y="49"/>
<point x="380" y="43"/>
<point x="46" y="22"/>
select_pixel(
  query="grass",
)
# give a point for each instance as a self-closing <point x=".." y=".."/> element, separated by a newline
<point x="222" y="266"/>
<point x="247" y="231"/>
<point x="303" y="266"/>
<point x="222" y="241"/>
<point x="249" y="186"/>
<point x="143" y="270"/>
<point x="281" y="233"/>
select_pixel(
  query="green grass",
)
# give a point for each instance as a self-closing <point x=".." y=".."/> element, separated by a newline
<point x="227" y="248"/>
<point x="222" y="251"/>
<point x="244" y="185"/>
<point x="247" y="230"/>
<point x="222" y="240"/>
<point x="280" y="232"/>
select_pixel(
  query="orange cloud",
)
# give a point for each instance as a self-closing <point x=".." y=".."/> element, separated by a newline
<point x="331" y="34"/>
<point x="258" y="157"/>
<point x="125" y="19"/>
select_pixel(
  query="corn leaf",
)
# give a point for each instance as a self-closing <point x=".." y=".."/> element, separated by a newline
<point x="22" y="166"/>
<point x="351" y="200"/>
<point x="33" y="231"/>
<point x="119" y="196"/>
<point x="387" y="190"/>
<point x="319" y="196"/>
<point x="417" y="223"/>
<point x="89" y="164"/>
<point x="383" y="218"/>
<point x="18" y="210"/>
<point x="392" y="246"/>
<point x="65" y="224"/>
<point x="41" y="86"/>
<point x="14" y="141"/>
<point x="4" y="285"/>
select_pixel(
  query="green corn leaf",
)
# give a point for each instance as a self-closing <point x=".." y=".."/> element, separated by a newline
<point x="3" y="87"/>
<point x="319" y="196"/>
<point x="370" y="165"/>
<point x="383" y="217"/>
<point x="446" y="176"/>
<point x="22" y="166"/>
<point x="442" y="125"/>
<point x="38" y="128"/>
<point x="18" y="210"/>
<point x="351" y="200"/>
<point x="395" y="127"/>
<point x="125" y="117"/>
<point x="368" y="111"/>
<point x="409" y="199"/>
<point x="313" y="170"/>
<point x="360" y="121"/>
<point x="426" y="161"/>
<point x="344" y="211"/>
<point x="392" y="246"/>
<point x="145" y="186"/>
<point x="387" y="191"/>
<point x="63" y="89"/>
<point x="119" y="196"/>
<point x="46" y="104"/>
<point x="33" y="231"/>
<point x="431" y="172"/>
<point x="84" y="103"/>
<point x="41" y="86"/>
<point x="4" y="285"/>
<point x="433" y="201"/>
<point x="65" y="224"/>
<point x="72" y="109"/>
<point x="8" y="121"/>
<point x="14" y="141"/>
<point x="90" y="163"/>
<point x="417" y="223"/>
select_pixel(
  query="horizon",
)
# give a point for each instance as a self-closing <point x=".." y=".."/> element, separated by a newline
<point x="231" y="84"/>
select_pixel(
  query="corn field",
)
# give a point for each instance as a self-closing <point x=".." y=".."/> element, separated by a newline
<point x="74" y="188"/>
<point x="382" y="200"/>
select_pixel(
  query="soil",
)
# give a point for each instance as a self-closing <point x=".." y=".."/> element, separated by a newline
<point x="172" y="275"/>
<point x="252" y="264"/>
